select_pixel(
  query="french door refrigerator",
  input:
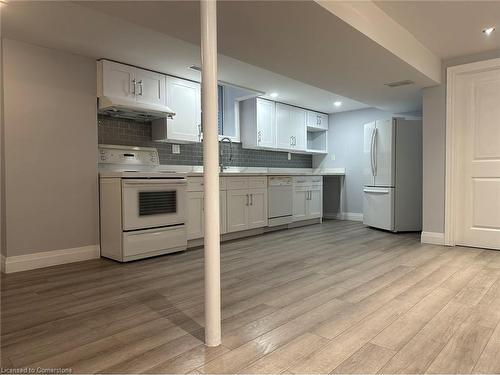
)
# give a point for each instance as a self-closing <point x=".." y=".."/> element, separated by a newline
<point x="392" y="169"/>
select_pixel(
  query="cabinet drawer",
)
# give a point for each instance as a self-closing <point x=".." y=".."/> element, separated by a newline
<point x="154" y="240"/>
<point x="316" y="180"/>
<point x="301" y="181"/>
<point x="195" y="184"/>
<point x="257" y="182"/>
<point x="236" y="183"/>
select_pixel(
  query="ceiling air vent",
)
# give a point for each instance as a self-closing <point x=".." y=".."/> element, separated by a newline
<point x="399" y="83"/>
<point x="196" y="68"/>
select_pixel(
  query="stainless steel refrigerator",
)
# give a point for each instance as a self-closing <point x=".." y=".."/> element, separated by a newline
<point x="392" y="169"/>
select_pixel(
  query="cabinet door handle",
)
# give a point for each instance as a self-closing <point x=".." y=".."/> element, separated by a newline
<point x="199" y="132"/>
<point x="133" y="86"/>
<point x="251" y="199"/>
<point x="140" y="86"/>
<point x="259" y="136"/>
<point x="248" y="200"/>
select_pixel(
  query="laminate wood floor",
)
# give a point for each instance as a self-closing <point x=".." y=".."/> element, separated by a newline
<point x="330" y="298"/>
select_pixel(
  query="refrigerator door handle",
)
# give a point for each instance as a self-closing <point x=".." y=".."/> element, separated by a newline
<point x="376" y="191"/>
<point x="375" y="136"/>
<point x="371" y="151"/>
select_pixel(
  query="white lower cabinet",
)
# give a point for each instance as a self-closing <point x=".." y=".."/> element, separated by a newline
<point x="300" y="203"/>
<point x="243" y="206"/>
<point x="307" y="198"/>
<point x="315" y="206"/>
<point x="257" y="209"/>
<point x="247" y="206"/>
<point x="237" y="210"/>
<point x="195" y="214"/>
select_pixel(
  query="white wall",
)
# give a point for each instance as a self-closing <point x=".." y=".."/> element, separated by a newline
<point x="434" y="145"/>
<point x="50" y="149"/>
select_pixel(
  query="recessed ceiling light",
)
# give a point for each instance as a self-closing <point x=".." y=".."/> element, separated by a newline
<point x="273" y="95"/>
<point x="337" y="104"/>
<point x="488" y="30"/>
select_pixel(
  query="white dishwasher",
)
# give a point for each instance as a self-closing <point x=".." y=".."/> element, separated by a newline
<point x="280" y="200"/>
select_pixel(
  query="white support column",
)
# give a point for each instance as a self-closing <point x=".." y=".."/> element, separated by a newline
<point x="208" y="11"/>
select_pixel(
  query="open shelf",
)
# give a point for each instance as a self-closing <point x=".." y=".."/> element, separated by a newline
<point x="317" y="141"/>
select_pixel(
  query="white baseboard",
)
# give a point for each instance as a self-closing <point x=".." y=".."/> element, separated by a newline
<point x="48" y="258"/>
<point x="344" y="216"/>
<point x="434" y="238"/>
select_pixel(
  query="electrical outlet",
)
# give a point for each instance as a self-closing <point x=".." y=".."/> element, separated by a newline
<point x="176" y="149"/>
<point x="289" y="156"/>
<point x="332" y="157"/>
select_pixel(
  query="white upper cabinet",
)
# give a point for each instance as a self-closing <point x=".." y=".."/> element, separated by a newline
<point x="128" y="82"/>
<point x="317" y="121"/>
<point x="184" y="98"/>
<point x="284" y="127"/>
<point x="290" y="128"/>
<point x="116" y="80"/>
<point x="299" y="126"/>
<point x="258" y="123"/>
<point x="150" y="87"/>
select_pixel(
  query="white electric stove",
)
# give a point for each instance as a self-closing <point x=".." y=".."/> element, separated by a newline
<point x="142" y="208"/>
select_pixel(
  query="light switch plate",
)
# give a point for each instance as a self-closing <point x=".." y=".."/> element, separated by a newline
<point x="176" y="149"/>
<point x="289" y="156"/>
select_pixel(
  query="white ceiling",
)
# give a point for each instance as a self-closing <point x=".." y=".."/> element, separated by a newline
<point x="448" y="28"/>
<point x="296" y="48"/>
<point x="298" y="39"/>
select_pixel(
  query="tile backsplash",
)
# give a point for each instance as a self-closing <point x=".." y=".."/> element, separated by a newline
<point x="118" y="131"/>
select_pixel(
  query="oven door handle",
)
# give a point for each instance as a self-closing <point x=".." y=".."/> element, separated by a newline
<point x="153" y="182"/>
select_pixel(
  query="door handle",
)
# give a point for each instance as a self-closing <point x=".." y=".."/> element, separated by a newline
<point x="248" y="201"/>
<point x="259" y="136"/>
<point x="251" y="199"/>
<point x="140" y="86"/>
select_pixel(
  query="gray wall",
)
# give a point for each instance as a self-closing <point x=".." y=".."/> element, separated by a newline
<point x="434" y="145"/>
<point x="132" y="133"/>
<point x="2" y="147"/>
<point x="345" y="141"/>
<point x="433" y="140"/>
<point x="50" y="149"/>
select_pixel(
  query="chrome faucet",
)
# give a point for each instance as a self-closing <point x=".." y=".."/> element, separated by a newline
<point x="221" y="151"/>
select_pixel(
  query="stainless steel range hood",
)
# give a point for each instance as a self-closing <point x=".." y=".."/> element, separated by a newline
<point x="132" y="109"/>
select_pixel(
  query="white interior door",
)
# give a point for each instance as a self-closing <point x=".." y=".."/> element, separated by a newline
<point x="476" y="116"/>
<point x="368" y="163"/>
<point x="384" y="153"/>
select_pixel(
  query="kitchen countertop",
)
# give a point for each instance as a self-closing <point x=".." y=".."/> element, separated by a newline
<point x="257" y="171"/>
